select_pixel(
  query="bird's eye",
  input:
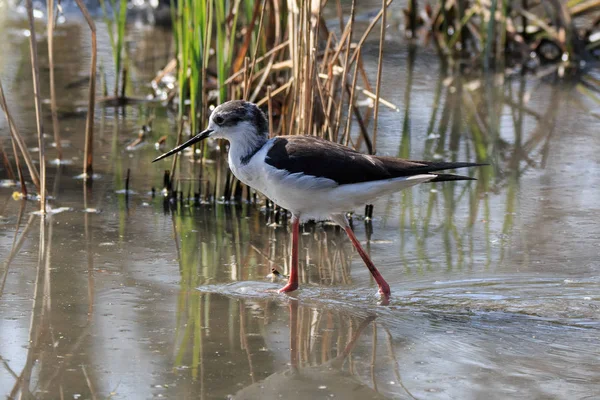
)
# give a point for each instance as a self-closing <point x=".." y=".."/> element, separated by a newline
<point x="218" y="120"/>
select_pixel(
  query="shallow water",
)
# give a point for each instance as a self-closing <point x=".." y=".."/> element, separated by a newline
<point x="496" y="283"/>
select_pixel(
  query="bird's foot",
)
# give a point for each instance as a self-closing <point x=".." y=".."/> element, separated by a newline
<point x="290" y="287"/>
<point x="385" y="293"/>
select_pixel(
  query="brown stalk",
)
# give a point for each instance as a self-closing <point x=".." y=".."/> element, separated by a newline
<point x="379" y="72"/>
<point x="343" y="40"/>
<point x="259" y="59"/>
<point x="206" y="57"/>
<point x="38" y="104"/>
<point x="326" y="127"/>
<point x="5" y="160"/>
<point x="257" y="44"/>
<point x="351" y="100"/>
<point x="170" y="67"/>
<point x="270" y="110"/>
<point x="367" y="84"/>
<point x="340" y="15"/>
<point x="313" y="65"/>
<point x="361" y="125"/>
<point x="19" y="170"/>
<point x="246" y="77"/>
<point x="122" y="97"/>
<point x="89" y="383"/>
<point x="324" y="62"/>
<point x="50" y="33"/>
<point x="176" y="156"/>
<point x="584" y="7"/>
<point x="306" y="92"/>
<point x="275" y="4"/>
<point x="345" y="70"/>
<point x="370" y="28"/>
<point x="263" y="78"/>
<point x="88" y="170"/>
<point x="275" y="92"/>
<point x="330" y="82"/>
<point x="238" y="62"/>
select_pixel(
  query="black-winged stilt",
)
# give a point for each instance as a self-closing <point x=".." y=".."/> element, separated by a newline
<point x="311" y="177"/>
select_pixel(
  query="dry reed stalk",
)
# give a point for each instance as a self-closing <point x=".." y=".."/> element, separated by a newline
<point x="176" y="156"/>
<point x="257" y="45"/>
<point x="275" y="92"/>
<point x="314" y="66"/>
<point x="270" y="110"/>
<point x="367" y="84"/>
<point x="326" y="127"/>
<point x="340" y="14"/>
<point x="328" y="44"/>
<point x="345" y="70"/>
<point x="38" y="104"/>
<point x="351" y="100"/>
<point x="306" y="92"/>
<point x="19" y="170"/>
<point x="263" y="77"/>
<point x="50" y="34"/>
<point x="379" y="71"/>
<point x="259" y="59"/>
<point x="203" y="76"/>
<point x="247" y="79"/>
<point x="16" y="137"/>
<point x="6" y="161"/>
<point x="370" y="28"/>
<point x="88" y="170"/>
<point x="329" y="83"/>
<point x="122" y="97"/>
<point x="341" y="45"/>
<point x="169" y="68"/>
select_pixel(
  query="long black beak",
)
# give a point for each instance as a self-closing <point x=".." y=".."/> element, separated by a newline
<point x="201" y="136"/>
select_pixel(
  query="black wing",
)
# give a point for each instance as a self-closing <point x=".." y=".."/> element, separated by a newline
<point x="318" y="157"/>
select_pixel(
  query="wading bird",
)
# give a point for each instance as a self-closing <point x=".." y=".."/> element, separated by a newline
<point x="311" y="177"/>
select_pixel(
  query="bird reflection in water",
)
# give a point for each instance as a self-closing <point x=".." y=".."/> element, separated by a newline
<point x="301" y="380"/>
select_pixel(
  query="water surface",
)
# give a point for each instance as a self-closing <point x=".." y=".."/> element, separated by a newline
<point x="496" y="283"/>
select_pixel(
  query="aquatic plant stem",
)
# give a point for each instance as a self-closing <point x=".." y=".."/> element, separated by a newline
<point x="38" y="105"/>
<point x="19" y="170"/>
<point x="6" y="162"/>
<point x="489" y="40"/>
<point x="50" y="34"/>
<point x="16" y="137"/>
<point x="88" y="170"/>
<point x="379" y="73"/>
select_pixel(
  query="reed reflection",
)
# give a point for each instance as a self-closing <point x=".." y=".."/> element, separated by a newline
<point x="484" y="119"/>
<point x="320" y="359"/>
<point x="52" y="358"/>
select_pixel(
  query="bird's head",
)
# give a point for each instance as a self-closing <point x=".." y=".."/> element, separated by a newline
<point x="237" y="121"/>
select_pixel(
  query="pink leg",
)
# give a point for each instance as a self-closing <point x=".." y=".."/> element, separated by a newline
<point x="293" y="281"/>
<point x="384" y="288"/>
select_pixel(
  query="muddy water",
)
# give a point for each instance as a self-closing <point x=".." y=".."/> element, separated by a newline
<point x="496" y="283"/>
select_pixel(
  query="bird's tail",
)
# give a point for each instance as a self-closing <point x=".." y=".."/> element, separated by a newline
<point x="451" y="177"/>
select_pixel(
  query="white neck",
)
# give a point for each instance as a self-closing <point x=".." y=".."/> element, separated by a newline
<point x="244" y="143"/>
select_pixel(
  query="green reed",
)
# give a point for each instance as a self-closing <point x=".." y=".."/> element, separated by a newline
<point x="252" y="49"/>
<point x="116" y="25"/>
